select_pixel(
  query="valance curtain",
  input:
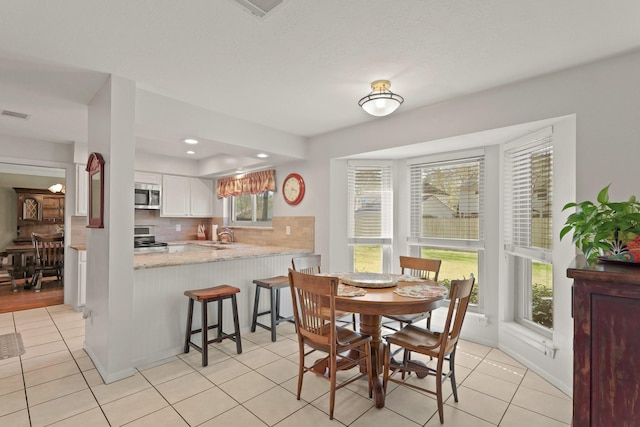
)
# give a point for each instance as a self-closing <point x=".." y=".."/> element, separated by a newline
<point x="251" y="183"/>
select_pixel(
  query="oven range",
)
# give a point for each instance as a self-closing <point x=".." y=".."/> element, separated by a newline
<point x="144" y="240"/>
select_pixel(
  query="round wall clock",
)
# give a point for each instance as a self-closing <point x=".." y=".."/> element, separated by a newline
<point x="293" y="189"/>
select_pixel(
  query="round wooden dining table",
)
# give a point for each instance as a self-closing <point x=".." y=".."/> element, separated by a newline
<point x="381" y="301"/>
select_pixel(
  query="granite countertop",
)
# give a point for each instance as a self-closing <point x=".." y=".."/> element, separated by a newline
<point x="210" y="252"/>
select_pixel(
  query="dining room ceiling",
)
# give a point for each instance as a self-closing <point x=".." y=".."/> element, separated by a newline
<point x="299" y="70"/>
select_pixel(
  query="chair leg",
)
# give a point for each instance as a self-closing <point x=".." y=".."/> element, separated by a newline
<point x="205" y="339"/>
<point x="332" y="392"/>
<point x="452" y="377"/>
<point x="274" y="305"/>
<point x="300" y="367"/>
<point x="14" y="285"/>
<point x="189" y="321"/>
<point x="439" y="389"/>
<point x="220" y="320"/>
<point x="386" y="365"/>
<point x="236" y="324"/>
<point x="38" y="281"/>
<point x="256" y="300"/>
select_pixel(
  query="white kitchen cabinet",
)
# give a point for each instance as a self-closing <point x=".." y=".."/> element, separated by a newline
<point x="186" y="197"/>
<point x="147" y="178"/>
<point x="82" y="278"/>
<point x="76" y="278"/>
<point x="82" y="179"/>
<point x="201" y="197"/>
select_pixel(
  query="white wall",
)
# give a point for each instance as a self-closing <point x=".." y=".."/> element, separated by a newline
<point x="601" y="95"/>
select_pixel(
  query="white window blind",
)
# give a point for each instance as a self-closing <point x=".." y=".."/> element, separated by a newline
<point x="370" y="204"/>
<point x="529" y="196"/>
<point x="447" y="200"/>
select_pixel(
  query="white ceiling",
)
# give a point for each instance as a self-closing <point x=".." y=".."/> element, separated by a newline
<point x="299" y="71"/>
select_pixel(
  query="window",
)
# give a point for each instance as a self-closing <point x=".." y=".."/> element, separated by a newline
<point x="250" y="197"/>
<point x="529" y="228"/>
<point x="252" y="209"/>
<point x="370" y="223"/>
<point x="446" y="216"/>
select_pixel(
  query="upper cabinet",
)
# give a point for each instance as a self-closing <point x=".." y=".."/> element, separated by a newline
<point x="39" y="206"/>
<point x="201" y="197"/>
<point x="184" y="196"/>
<point x="147" y="178"/>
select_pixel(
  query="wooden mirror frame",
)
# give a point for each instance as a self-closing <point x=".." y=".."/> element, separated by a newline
<point x="95" y="167"/>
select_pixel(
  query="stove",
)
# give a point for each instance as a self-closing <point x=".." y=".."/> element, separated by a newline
<point x="144" y="240"/>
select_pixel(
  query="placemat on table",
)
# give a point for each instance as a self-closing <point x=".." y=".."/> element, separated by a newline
<point x="422" y="291"/>
<point x="350" y="291"/>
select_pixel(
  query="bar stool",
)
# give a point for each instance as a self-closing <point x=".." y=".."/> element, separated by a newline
<point x="217" y="293"/>
<point x="273" y="284"/>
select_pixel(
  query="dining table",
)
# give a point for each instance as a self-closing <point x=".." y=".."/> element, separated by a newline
<point x="374" y="295"/>
<point x="23" y="259"/>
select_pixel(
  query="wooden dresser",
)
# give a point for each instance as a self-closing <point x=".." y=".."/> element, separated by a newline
<point x="606" y="344"/>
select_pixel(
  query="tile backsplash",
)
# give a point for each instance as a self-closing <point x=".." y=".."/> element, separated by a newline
<point x="301" y="230"/>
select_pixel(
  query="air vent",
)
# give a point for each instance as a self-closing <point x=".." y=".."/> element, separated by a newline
<point x="259" y="8"/>
<point x="14" y="114"/>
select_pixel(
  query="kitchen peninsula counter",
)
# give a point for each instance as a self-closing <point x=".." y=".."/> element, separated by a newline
<point x="210" y="252"/>
<point x="160" y="280"/>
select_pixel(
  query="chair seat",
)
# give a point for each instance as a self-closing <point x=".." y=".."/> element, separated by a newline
<point x="212" y="293"/>
<point x="273" y="282"/>
<point x="416" y="339"/>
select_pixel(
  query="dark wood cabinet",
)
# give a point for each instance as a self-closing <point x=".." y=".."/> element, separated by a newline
<point x="52" y="208"/>
<point x="39" y="206"/>
<point x="606" y="366"/>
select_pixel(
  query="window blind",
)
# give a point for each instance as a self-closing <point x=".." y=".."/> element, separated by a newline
<point x="370" y="204"/>
<point x="447" y="200"/>
<point x="529" y="196"/>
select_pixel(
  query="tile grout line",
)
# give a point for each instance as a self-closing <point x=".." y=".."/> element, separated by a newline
<point x="81" y="373"/>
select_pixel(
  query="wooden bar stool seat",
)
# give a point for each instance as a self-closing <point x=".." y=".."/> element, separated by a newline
<point x="273" y="284"/>
<point x="204" y="296"/>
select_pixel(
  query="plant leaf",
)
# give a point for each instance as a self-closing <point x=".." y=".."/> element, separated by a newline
<point x="603" y="195"/>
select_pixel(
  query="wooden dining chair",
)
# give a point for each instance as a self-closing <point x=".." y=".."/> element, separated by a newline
<point x="314" y="312"/>
<point x="438" y="345"/>
<point x="49" y="257"/>
<point x="310" y="264"/>
<point x="418" y="267"/>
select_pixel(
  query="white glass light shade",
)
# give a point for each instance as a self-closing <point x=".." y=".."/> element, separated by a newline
<point x="381" y="101"/>
<point x="57" y="188"/>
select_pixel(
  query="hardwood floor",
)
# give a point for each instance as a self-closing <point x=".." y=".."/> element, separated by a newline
<point x="52" y="293"/>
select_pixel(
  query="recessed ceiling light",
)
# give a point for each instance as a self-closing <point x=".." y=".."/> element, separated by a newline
<point x="191" y="141"/>
<point x="239" y="171"/>
<point x="263" y="155"/>
<point x="191" y="152"/>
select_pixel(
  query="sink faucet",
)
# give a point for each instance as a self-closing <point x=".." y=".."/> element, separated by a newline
<point x="226" y="232"/>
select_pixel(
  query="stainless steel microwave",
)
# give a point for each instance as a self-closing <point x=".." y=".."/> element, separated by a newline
<point x="147" y="196"/>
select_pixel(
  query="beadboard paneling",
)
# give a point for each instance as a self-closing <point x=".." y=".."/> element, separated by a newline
<point x="160" y="307"/>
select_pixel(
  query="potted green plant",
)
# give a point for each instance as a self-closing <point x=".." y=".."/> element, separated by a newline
<point x="605" y="228"/>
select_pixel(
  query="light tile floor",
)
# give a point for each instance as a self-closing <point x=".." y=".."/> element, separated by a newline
<point x="55" y="383"/>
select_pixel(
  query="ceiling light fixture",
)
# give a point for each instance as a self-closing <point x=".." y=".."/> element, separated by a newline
<point x="262" y="155"/>
<point x="191" y="152"/>
<point x="57" y="188"/>
<point x="381" y="101"/>
<point x="191" y="141"/>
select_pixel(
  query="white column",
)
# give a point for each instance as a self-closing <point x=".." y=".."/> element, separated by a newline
<point x="108" y="337"/>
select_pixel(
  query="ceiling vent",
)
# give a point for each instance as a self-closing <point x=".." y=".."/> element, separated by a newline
<point x="14" y="114"/>
<point x="259" y="8"/>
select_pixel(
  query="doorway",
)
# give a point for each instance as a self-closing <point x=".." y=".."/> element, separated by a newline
<point x="31" y="200"/>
